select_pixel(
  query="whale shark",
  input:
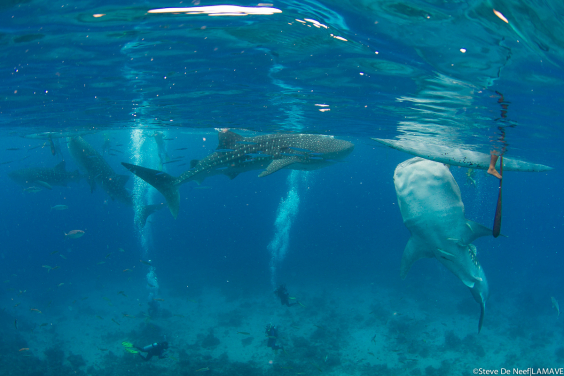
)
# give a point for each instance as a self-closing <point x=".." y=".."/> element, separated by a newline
<point x="99" y="171"/>
<point x="432" y="209"/>
<point x="459" y="157"/>
<point x="57" y="175"/>
<point x="236" y="154"/>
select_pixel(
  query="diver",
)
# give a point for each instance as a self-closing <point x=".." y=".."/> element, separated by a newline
<point x="272" y="334"/>
<point x="284" y="296"/>
<point x="153" y="349"/>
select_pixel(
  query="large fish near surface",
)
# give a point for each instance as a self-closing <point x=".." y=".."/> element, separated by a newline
<point x="459" y="157"/>
<point x="432" y="209"/>
<point x="98" y="171"/>
<point x="236" y="154"/>
<point x="57" y="175"/>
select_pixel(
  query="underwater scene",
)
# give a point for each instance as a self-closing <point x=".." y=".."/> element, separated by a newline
<point x="314" y="187"/>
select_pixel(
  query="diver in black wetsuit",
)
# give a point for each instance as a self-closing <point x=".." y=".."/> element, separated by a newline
<point x="153" y="349"/>
<point x="272" y="334"/>
<point x="284" y="296"/>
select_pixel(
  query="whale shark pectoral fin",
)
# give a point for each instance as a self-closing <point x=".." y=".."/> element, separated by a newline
<point x="278" y="164"/>
<point x="415" y="249"/>
<point x="475" y="230"/>
<point x="163" y="182"/>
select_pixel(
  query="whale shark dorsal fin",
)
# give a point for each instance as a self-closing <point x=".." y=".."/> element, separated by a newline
<point x="228" y="139"/>
<point x="60" y="167"/>
<point x="414" y="250"/>
<point x="278" y="164"/>
<point x="475" y="230"/>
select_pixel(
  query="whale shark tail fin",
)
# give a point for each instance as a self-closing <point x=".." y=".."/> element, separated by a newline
<point x="163" y="182"/>
<point x="414" y="250"/>
<point x="482" y="313"/>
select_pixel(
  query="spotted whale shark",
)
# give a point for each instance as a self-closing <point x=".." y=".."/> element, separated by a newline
<point x="57" y="175"/>
<point x="236" y="154"/>
<point x="432" y="209"/>
<point x="98" y="171"/>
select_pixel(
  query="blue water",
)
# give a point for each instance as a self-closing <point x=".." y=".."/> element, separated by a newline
<point x="451" y="73"/>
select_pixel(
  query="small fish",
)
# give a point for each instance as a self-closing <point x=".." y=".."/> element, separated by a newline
<point x="158" y="299"/>
<point x="245" y="333"/>
<point x="102" y="349"/>
<point x="146" y="263"/>
<point x="126" y="270"/>
<point x="36" y="310"/>
<point x="202" y="369"/>
<point x="122" y="293"/>
<point x="555" y="305"/>
<point x="54" y="252"/>
<point x="84" y="298"/>
<point x="108" y="255"/>
<point x="60" y="284"/>
<point x="126" y="315"/>
<point x="121" y="250"/>
<point x="301" y="304"/>
<point x="12" y="149"/>
<point x="101" y="262"/>
<point x="115" y="321"/>
<point x="100" y="317"/>
<point x="181" y="149"/>
<point x="15" y="305"/>
<point x="46" y="267"/>
<point x="179" y="315"/>
<point x="44" y="324"/>
<point x="106" y="299"/>
<point x="173" y="161"/>
<point x="32" y="189"/>
<point x="63" y="256"/>
<point x="374" y="338"/>
<point x="24" y="349"/>
<point x="55" y="267"/>
<point x="371" y="353"/>
<point x="74" y="234"/>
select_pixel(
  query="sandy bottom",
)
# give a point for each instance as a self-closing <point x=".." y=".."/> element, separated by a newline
<point x="343" y="330"/>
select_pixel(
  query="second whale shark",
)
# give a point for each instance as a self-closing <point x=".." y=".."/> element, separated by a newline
<point x="99" y="171"/>
<point x="432" y="209"/>
<point x="236" y="154"/>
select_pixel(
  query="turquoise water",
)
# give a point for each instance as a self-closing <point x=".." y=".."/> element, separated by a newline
<point x="156" y="90"/>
